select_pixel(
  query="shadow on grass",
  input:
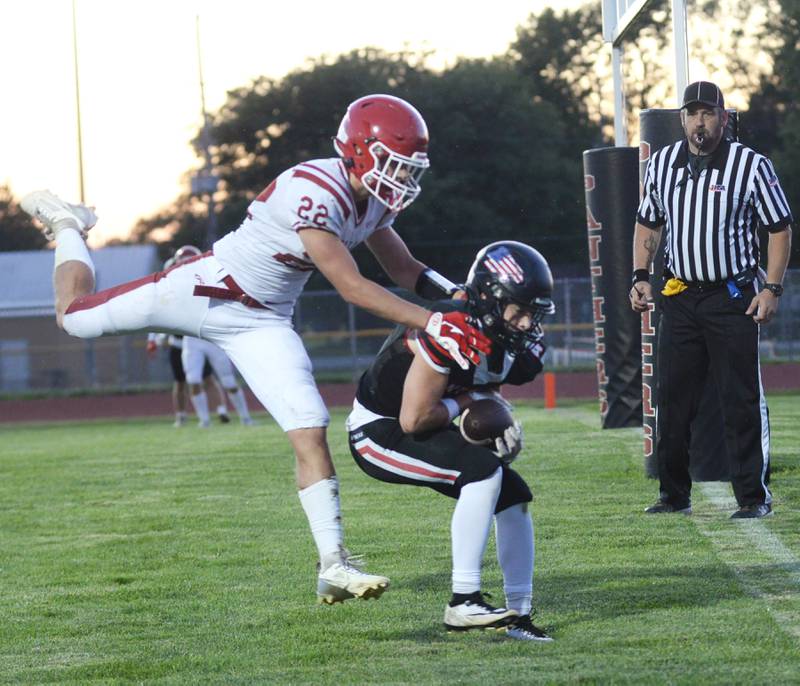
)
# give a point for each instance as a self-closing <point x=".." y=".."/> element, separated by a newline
<point x="618" y="593"/>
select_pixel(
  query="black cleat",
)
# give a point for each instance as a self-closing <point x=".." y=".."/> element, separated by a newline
<point x="523" y="629"/>
<point x="753" y="511"/>
<point x="663" y="507"/>
<point x="473" y="612"/>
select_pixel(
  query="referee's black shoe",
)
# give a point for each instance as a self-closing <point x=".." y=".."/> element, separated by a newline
<point x="663" y="507"/>
<point x="753" y="511"/>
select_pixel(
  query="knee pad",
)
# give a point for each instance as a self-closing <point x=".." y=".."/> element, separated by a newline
<point x="86" y="323"/>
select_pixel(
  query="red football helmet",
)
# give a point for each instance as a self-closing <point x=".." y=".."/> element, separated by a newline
<point x="186" y="252"/>
<point x="384" y="142"/>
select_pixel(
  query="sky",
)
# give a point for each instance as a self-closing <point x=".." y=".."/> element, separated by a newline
<point x="139" y="85"/>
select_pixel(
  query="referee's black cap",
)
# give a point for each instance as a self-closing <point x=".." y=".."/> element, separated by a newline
<point x="703" y="92"/>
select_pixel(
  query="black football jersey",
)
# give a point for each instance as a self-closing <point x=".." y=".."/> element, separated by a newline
<point x="380" y="388"/>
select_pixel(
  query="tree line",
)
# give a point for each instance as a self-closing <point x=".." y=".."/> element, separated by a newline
<point x="507" y="133"/>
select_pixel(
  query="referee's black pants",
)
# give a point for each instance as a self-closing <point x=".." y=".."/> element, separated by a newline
<point x="702" y="331"/>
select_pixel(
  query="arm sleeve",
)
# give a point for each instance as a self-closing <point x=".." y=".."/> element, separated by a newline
<point x="526" y="366"/>
<point x="431" y="285"/>
<point x="650" y="213"/>
<point x="769" y="199"/>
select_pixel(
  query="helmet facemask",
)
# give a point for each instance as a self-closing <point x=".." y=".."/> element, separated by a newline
<point x="490" y="304"/>
<point x="394" y="178"/>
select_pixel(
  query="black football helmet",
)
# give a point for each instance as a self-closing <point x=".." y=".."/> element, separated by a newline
<point x="510" y="272"/>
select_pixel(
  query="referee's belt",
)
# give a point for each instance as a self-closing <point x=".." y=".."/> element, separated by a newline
<point x="675" y="285"/>
<point x="704" y="286"/>
<point x="232" y="292"/>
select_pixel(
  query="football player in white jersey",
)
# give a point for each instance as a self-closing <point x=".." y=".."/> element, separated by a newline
<point x="241" y="294"/>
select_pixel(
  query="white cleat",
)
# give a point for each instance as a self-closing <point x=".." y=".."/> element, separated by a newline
<point x="56" y="214"/>
<point x="342" y="581"/>
<point x="247" y="421"/>
<point x="476" y="613"/>
<point x="203" y="424"/>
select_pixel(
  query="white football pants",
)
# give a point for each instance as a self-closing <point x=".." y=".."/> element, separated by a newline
<point x="261" y="343"/>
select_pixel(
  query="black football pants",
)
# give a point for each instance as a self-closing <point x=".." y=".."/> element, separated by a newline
<point x="705" y="331"/>
<point x="441" y="460"/>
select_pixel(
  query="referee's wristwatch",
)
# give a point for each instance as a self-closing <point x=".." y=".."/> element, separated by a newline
<point x="775" y="288"/>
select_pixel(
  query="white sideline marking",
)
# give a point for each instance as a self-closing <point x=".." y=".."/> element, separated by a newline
<point x="732" y="541"/>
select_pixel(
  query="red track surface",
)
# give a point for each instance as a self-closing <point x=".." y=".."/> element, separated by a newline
<point x="568" y="385"/>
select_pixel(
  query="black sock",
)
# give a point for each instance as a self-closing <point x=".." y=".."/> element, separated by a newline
<point x="459" y="598"/>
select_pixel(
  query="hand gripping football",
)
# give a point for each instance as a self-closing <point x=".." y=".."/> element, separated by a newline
<point x="485" y="421"/>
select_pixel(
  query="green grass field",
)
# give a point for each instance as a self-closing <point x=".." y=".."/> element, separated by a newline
<point x="131" y="552"/>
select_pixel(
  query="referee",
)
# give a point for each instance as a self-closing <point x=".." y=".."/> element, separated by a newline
<point x="712" y="195"/>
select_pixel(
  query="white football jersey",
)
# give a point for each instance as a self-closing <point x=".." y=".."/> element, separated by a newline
<point x="265" y="255"/>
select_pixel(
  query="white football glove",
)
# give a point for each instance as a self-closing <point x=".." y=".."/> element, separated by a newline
<point x="509" y="445"/>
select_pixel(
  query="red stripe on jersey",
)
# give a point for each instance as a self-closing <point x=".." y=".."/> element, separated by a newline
<point x="263" y="196"/>
<point x="322" y="183"/>
<point x="415" y="469"/>
<point x="344" y="188"/>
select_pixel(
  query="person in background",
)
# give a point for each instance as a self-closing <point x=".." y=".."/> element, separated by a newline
<point x="174" y="346"/>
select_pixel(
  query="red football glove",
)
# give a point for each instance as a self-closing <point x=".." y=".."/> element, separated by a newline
<point x="152" y="346"/>
<point x="462" y="341"/>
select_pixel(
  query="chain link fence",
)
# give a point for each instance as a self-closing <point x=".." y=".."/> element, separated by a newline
<point x="341" y="340"/>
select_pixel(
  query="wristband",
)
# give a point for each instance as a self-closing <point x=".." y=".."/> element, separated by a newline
<point x="451" y="405"/>
<point x="433" y="286"/>
<point x="640" y="275"/>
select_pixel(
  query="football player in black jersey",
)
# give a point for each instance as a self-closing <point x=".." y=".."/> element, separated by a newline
<point x="402" y="432"/>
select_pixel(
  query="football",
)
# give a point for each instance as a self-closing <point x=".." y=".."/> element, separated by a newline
<point x="485" y="420"/>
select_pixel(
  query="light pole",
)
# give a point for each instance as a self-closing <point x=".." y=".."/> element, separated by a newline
<point x="77" y="102"/>
<point x="204" y="182"/>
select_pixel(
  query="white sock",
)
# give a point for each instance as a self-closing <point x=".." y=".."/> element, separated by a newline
<point x="222" y="409"/>
<point x="469" y="530"/>
<point x="239" y="403"/>
<point x="320" y="502"/>
<point x="515" y="553"/>
<point x="71" y="246"/>
<point x="200" y="404"/>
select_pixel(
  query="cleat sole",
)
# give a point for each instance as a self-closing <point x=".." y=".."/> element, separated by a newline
<point x="330" y="595"/>
<point x="500" y="626"/>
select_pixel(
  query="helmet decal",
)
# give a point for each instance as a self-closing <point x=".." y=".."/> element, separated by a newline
<point x="501" y="262"/>
<point x="504" y="273"/>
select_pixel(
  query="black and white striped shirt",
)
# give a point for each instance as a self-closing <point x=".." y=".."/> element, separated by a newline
<point x="712" y="221"/>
